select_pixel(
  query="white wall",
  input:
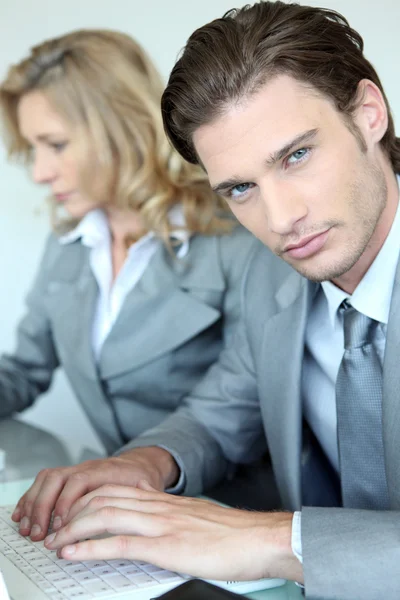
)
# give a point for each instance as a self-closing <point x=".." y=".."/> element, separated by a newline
<point x="162" y="26"/>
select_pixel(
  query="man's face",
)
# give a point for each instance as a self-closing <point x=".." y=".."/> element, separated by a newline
<point x="296" y="177"/>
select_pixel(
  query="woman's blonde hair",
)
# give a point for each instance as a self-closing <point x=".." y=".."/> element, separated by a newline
<point x="104" y="81"/>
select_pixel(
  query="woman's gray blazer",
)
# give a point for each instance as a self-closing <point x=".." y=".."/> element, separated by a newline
<point x="171" y="328"/>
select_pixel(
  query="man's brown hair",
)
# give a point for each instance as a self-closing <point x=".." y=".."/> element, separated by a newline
<point x="230" y="58"/>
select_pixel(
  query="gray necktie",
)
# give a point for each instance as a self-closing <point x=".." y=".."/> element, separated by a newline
<point x="359" y="415"/>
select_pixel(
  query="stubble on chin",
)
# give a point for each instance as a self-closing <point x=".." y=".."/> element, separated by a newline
<point x="357" y="240"/>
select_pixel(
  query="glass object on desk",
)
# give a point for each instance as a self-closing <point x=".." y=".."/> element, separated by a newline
<point x="29" y="449"/>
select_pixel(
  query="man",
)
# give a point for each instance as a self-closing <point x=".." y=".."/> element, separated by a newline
<point x="288" y="118"/>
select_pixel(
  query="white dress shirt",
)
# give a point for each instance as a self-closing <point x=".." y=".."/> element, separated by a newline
<point x="324" y="347"/>
<point x="95" y="233"/>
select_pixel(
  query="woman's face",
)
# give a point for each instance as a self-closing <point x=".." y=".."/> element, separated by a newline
<point x="55" y="153"/>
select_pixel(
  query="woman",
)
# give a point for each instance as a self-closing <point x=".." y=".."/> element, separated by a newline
<point x="138" y="289"/>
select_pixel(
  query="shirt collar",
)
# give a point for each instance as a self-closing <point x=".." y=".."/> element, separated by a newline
<point x="93" y="230"/>
<point x="373" y="294"/>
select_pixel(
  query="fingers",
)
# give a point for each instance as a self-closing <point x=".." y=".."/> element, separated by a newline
<point x="161" y="529"/>
<point x="140" y="500"/>
<point x="143" y="484"/>
<point x="24" y="504"/>
<point x="115" y="520"/>
<point x="149" y="506"/>
<point x="76" y="486"/>
<point x="122" y="546"/>
<point x="160" y="551"/>
<point x="34" y="509"/>
<point x="90" y="477"/>
<point x="65" y="492"/>
<point x="105" y="491"/>
<point x="54" y="490"/>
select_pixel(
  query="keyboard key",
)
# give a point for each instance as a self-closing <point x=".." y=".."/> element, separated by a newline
<point x="49" y="568"/>
<point x="94" y="564"/>
<point x="86" y="576"/>
<point x="102" y="571"/>
<point x="76" y="568"/>
<point x="39" y="579"/>
<point x="80" y="593"/>
<point x="167" y="576"/>
<point x="62" y="584"/>
<point x="38" y="557"/>
<point x="11" y="536"/>
<point x="97" y="587"/>
<point x="151" y="569"/>
<point x="132" y="570"/>
<point x="61" y="562"/>
<point x="143" y="580"/>
<point x="119" y="564"/>
<point x="59" y="576"/>
<point x="117" y="581"/>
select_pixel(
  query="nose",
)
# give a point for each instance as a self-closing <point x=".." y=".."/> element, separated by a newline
<point x="283" y="208"/>
<point x="43" y="170"/>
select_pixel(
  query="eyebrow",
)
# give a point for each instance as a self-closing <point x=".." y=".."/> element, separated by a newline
<point x="275" y="157"/>
<point x="302" y="138"/>
<point x="47" y="137"/>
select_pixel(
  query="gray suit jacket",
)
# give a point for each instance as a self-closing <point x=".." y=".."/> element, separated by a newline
<point x="171" y="328"/>
<point x="255" y="388"/>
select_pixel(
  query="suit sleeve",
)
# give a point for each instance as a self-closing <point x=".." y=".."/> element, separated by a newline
<point x="220" y="421"/>
<point x="350" y="553"/>
<point x="28" y="371"/>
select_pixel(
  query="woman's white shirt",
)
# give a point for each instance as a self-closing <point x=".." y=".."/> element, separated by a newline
<point x="95" y="233"/>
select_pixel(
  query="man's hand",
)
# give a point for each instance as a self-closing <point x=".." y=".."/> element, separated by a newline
<point x="189" y="535"/>
<point x="57" y="489"/>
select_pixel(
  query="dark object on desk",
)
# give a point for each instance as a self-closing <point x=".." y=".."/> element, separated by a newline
<point x="196" y="589"/>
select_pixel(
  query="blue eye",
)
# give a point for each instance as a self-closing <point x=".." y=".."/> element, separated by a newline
<point x="239" y="191"/>
<point x="298" y="156"/>
<point x="240" y="188"/>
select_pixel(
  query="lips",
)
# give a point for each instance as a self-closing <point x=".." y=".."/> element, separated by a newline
<point x="62" y="196"/>
<point x="307" y="246"/>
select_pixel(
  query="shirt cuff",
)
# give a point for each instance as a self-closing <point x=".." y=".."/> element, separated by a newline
<point x="296" y="536"/>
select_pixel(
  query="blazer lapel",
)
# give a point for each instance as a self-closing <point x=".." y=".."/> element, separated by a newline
<point x="161" y="312"/>
<point x="391" y="396"/>
<point x="282" y="409"/>
<point x="72" y="299"/>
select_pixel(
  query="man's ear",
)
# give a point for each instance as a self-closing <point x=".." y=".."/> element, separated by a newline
<point x="371" y="114"/>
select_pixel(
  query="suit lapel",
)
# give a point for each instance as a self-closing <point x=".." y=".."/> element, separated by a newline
<point x="283" y="407"/>
<point x="391" y="396"/>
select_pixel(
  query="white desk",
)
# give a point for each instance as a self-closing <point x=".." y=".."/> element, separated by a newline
<point x="10" y="492"/>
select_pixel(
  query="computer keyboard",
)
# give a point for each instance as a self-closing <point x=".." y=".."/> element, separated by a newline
<point x="29" y="567"/>
<point x="61" y="579"/>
